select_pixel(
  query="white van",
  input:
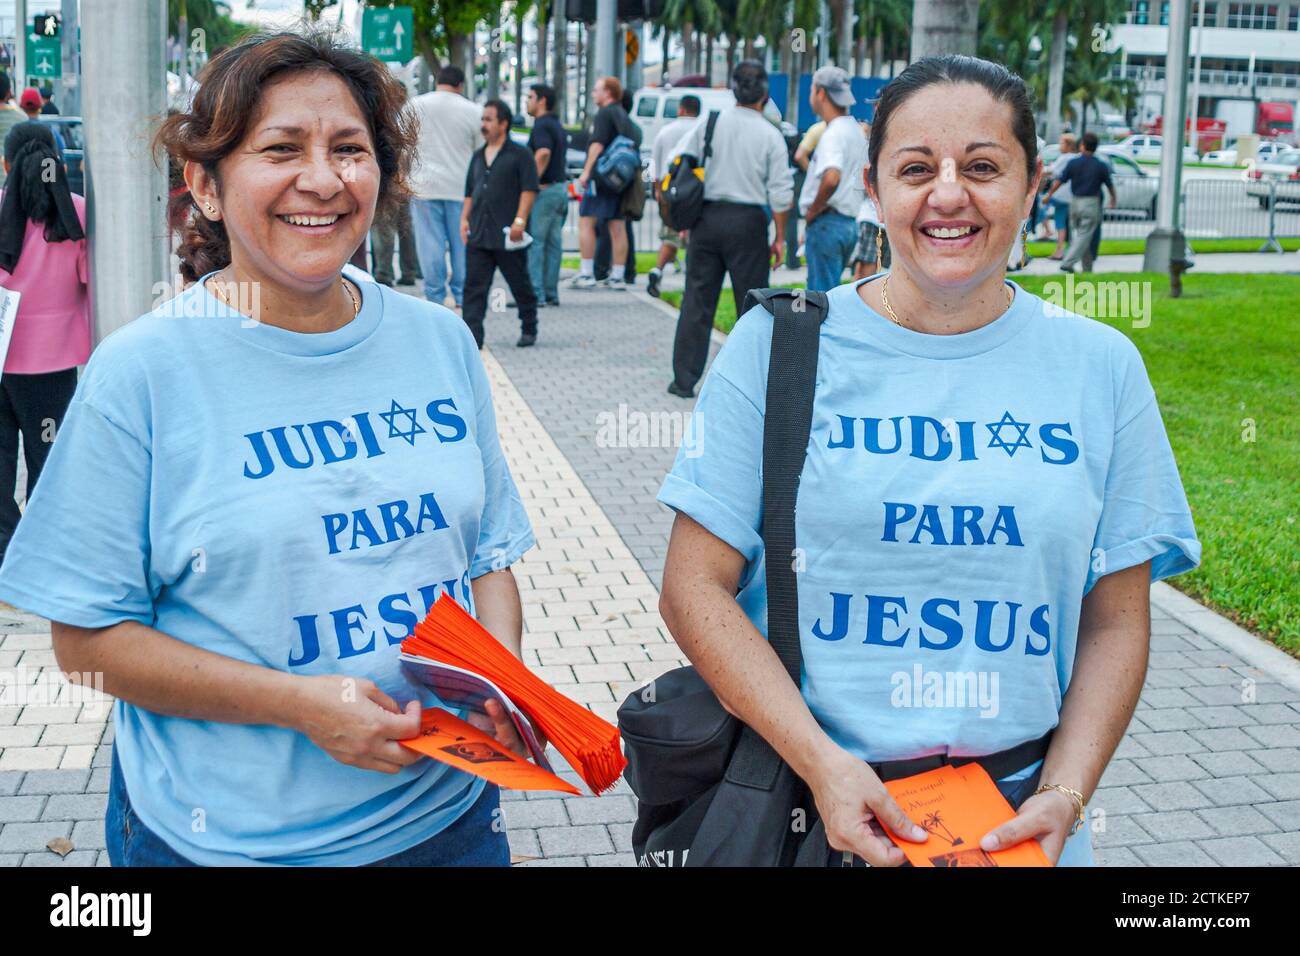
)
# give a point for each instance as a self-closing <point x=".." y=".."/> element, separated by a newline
<point x="654" y="107"/>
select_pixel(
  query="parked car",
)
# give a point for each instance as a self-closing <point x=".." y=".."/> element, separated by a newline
<point x="1135" y="187"/>
<point x="1267" y="152"/>
<point x="1284" y="173"/>
<point x="74" y="148"/>
<point x="1147" y="148"/>
<point x="1113" y="129"/>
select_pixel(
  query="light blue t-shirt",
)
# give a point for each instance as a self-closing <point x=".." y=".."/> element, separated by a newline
<point x="961" y="495"/>
<point x="296" y="501"/>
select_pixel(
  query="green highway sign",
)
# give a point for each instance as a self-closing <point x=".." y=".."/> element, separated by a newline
<point x="386" y="33"/>
<point x="44" y="56"/>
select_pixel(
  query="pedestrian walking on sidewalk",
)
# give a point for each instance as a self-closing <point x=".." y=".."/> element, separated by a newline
<point x="449" y="134"/>
<point x="665" y="145"/>
<point x="1085" y="175"/>
<point x="43" y="259"/>
<point x="598" y="205"/>
<point x="550" y="145"/>
<point x="263" y="484"/>
<point x="747" y="178"/>
<point x="832" y="193"/>
<point x="938" y="381"/>
<point x="499" y="194"/>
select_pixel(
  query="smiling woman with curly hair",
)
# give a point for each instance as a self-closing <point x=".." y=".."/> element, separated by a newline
<point x="262" y="485"/>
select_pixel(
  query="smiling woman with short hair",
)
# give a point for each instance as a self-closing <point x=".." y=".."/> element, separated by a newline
<point x="987" y="495"/>
<point x="261" y="487"/>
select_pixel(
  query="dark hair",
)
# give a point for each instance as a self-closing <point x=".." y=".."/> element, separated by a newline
<point x="451" y="76"/>
<point x="1090" y="142"/>
<point x="226" y="104"/>
<point x="690" y="105"/>
<point x="544" y="92"/>
<point x="749" y="82"/>
<point x="503" y="112"/>
<point x="6" y="87"/>
<point x="1001" y="84"/>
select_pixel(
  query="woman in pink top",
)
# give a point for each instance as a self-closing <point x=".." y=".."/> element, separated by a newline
<point x="43" y="257"/>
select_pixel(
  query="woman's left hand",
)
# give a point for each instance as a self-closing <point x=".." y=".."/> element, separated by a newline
<point x="502" y="728"/>
<point x="1046" y="817"/>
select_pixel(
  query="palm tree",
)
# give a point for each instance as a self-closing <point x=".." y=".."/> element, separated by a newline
<point x="1091" y="80"/>
<point x="944" y="26"/>
<point x="881" y="19"/>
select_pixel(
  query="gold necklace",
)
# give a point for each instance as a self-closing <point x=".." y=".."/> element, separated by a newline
<point x="356" y="306"/>
<point x="884" y="299"/>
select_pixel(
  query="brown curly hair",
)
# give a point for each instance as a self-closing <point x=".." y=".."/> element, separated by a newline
<point x="227" y="102"/>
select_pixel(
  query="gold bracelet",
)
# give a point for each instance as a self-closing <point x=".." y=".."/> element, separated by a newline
<point x="1075" y="797"/>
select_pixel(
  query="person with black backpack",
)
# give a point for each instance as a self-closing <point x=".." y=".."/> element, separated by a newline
<point x="746" y="174"/>
<point x="612" y="131"/>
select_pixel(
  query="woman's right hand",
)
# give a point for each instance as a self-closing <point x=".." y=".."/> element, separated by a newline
<point x="852" y="801"/>
<point x="356" y="723"/>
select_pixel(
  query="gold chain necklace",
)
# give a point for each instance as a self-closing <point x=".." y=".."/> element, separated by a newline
<point x="356" y="306"/>
<point x="884" y="299"/>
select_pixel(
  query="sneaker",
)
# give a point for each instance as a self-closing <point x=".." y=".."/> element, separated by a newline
<point x="553" y="303"/>
<point x="582" y="282"/>
<point x="616" y="284"/>
<point x="652" y="284"/>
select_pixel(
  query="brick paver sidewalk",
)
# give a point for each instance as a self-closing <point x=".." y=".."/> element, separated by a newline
<point x="1209" y="772"/>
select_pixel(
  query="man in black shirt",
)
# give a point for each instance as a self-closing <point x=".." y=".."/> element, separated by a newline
<point x="499" y="193"/>
<point x="550" y="144"/>
<point x="1086" y="175"/>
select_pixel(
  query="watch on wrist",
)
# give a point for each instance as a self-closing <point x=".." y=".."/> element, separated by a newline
<point x="518" y="221"/>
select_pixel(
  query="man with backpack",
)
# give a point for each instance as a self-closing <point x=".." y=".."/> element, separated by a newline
<point x="666" y="142"/>
<point x="746" y="176"/>
<point x="611" y="130"/>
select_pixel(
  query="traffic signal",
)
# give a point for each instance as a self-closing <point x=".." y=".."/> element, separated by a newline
<point x="46" y="24"/>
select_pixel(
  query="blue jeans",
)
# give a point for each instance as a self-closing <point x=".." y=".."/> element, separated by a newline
<point x="437" y="234"/>
<point x="471" y="841"/>
<point x="546" y="225"/>
<point x="828" y="246"/>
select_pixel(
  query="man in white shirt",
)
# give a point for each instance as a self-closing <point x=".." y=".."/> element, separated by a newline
<point x="746" y="177"/>
<point x="832" y="191"/>
<point x="666" y="142"/>
<point x="872" y="251"/>
<point x="449" y="135"/>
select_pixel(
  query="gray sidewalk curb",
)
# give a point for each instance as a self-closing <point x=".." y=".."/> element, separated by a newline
<point x="1215" y="627"/>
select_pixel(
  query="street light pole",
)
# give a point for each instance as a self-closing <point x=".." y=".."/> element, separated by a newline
<point x="1166" y="242"/>
<point x="71" y="101"/>
<point x="21" y="30"/>
<point x="123" y="97"/>
<point x="606" y="26"/>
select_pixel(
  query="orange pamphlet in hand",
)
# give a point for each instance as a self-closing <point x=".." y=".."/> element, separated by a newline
<point x="451" y="740"/>
<point x="958" y="806"/>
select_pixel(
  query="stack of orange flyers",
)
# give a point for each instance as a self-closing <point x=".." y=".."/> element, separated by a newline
<point x="591" y="745"/>
<point x="958" y="806"/>
<point x="452" y="741"/>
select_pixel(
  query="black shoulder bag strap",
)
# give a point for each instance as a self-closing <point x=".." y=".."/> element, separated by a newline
<point x="791" y="381"/>
<point x="708" y="139"/>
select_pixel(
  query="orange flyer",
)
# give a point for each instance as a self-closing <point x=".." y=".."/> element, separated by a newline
<point x="958" y="806"/>
<point x="447" y="738"/>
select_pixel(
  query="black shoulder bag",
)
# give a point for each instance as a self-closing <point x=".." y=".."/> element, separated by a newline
<point x="681" y="193"/>
<point x="711" y="791"/>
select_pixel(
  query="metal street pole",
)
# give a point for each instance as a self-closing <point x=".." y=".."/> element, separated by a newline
<point x="1196" y="77"/>
<point x="125" y="96"/>
<point x="21" y="29"/>
<point x="1166" y="243"/>
<point x="70" y="103"/>
<point x="606" y="27"/>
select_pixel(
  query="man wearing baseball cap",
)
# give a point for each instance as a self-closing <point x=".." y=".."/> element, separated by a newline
<point x="31" y="103"/>
<point x="832" y="191"/>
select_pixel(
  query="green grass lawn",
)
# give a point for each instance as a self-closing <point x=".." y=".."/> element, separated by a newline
<point x="1134" y="247"/>
<point x="1220" y="357"/>
<point x="644" y="261"/>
